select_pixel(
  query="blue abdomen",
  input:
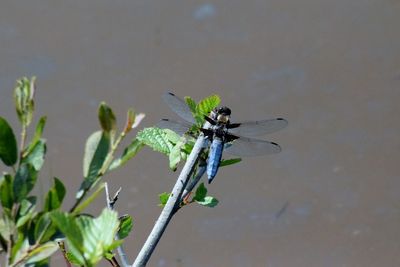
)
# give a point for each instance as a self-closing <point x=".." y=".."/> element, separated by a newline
<point x="214" y="158"/>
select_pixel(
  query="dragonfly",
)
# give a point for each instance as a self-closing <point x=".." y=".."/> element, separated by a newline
<point x="237" y="138"/>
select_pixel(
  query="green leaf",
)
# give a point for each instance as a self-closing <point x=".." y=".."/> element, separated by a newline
<point x="206" y="105"/>
<point x="192" y="104"/>
<point x="128" y="153"/>
<point x="96" y="150"/>
<point x="20" y="246"/>
<point x="201" y="192"/>
<point x="35" y="157"/>
<point x="175" y="155"/>
<point x="70" y="228"/>
<point x="109" y="255"/>
<point x="172" y="137"/>
<point x="125" y="226"/>
<point x="130" y="120"/>
<point x="8" y="144"/>
<point x="226" y="162"/>
<point x="23" y="98"/>
<point x="37" y="136"/>
<point x="89" y="200"/>
<point x="44" y="228"/>
<point x="24" y="181"/>
<point x="72" y="259"/>
<point x="107" y="118"/>
<point x="208" y="201"/>
<point x="163" y="198"/>
<point x="42" y="252"/>
<point x="98" y="234"/>
<point x="6" y="191"/>
<point x="158" y="139"/>
<point x="55" y="196"/>
<point x="7" y="227"/>
<point x="26" y="211"/>
<point x="113" y="246"/>
<point x="202" y="198"/>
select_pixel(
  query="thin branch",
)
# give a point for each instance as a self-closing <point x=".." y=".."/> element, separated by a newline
<point x="110" y="205"/>
<point x="64" y="252"/>
<point x="171" y="205"/>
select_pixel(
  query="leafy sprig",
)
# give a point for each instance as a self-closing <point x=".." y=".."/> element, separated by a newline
<point x="29" y="235"/>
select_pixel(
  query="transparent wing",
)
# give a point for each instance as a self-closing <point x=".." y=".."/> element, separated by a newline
<point x="178" y="106"/>
<point x="179" y="127"/>
<point x="245" y="147"/>
<point x="257" y="128"/>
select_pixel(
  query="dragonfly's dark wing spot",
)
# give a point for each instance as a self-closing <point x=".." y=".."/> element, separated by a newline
<point x="179" y="106"/>
<point x="257" y="128"/>
<point x="245" y="147"/>
<point x="178" y="127"/>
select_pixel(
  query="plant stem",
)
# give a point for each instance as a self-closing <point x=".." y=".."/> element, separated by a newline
<point x="25" y="256"/>
<point x="64" y="252"/>
<point x="120" y="249"/>
<point x="171" y="205"/>
<point x="102" y="171"/>
<point x="23" y="138"/>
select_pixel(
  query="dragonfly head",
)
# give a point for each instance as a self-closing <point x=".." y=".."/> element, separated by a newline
<point x="222" y="114"/>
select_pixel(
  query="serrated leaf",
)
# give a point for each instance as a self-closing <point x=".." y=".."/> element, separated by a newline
<point x="37" y="136"/>
<point x="55" y="196"/>
<point x="201" y="192"/>
<point x="24" y="181"/>
<point x="156" y="138"/>
<point x="163" y="198"/>
<point x="125" y="226"/>
<point x="129" y="152"/>
<point x="208" y="201"/>
<point x="226" y="162"/>
<point x="96" y="150"/>
<point x="107" y="118"/>
<point x="8" y="144"/>
<point x="206" y="105"/>
<point x="192" y="104"/>
<point x="172" y="136"/>
<point x="23" y="98"/>
<point x="35" y="157"/>
<point x="42" y="252"/>
<point x="6" y="191"/>
<point x="96" y="240"/>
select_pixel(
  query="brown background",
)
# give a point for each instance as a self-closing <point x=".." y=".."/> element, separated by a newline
<point x="330" y="67"/>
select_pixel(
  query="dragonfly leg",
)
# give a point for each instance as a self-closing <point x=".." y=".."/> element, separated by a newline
<point x="186" y="200"/>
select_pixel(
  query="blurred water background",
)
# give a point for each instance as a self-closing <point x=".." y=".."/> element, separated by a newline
<point x="332" y="68"/>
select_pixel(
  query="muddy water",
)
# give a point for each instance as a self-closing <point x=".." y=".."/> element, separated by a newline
<point x="332" y="68"/>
